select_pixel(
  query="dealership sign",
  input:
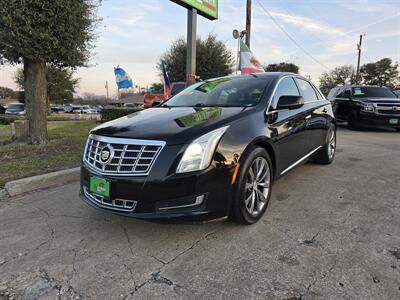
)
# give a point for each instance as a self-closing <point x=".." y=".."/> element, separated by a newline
<point x="206" y="8"/>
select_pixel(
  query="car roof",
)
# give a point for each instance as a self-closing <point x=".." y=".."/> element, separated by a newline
<point x="359" y="85"/>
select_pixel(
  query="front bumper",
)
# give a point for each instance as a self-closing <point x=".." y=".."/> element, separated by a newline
<point x="375" y="120"/>
<point x="198" y="196"/>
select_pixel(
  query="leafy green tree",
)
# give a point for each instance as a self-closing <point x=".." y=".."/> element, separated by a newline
<point x="61" y="84"/>
<point x="340" y="75"/>
<point x="214" y="59"/>
<point x="158" y="86"/>
<point x="382" y="72"/>
<point x="6" y="92"/>
<point x="40" y="32"/>
<point x="282" y="67"/>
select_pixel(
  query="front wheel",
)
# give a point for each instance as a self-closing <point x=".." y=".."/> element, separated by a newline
<point x="327" y="153"/>
<point x="252" y="187"/>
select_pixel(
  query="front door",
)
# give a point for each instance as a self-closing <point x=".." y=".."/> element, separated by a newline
<point x="288" y="128"/>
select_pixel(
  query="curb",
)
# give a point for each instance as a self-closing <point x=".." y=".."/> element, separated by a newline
<point x="30" y="184"/>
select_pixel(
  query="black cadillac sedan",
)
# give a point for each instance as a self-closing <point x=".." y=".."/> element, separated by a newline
<point x="211" y="151"/>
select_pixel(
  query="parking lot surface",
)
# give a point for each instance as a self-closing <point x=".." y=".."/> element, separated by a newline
<point x="330" y="232"/>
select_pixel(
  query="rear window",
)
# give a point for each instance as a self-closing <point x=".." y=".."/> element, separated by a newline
<point x="16" y="106"/>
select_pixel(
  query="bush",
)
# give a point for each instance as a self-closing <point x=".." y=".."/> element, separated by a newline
<point x="6" y="120"/>
<point x="109" y="114"/>
<point x="58" y="118"/>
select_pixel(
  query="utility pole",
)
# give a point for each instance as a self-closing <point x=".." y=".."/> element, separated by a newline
<point x="191" y="47"/>
<point x="107" y="89"/>
<point x="248" y="23"/>
<point x="359" y="57"/>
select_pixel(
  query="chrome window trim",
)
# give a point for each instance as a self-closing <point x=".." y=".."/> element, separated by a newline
<point x="300" y="160"/>
<point x="293" y="77"/>
<point x="123" y="141"/>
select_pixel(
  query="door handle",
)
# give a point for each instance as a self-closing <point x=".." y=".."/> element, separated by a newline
<point x="308" y="117"/>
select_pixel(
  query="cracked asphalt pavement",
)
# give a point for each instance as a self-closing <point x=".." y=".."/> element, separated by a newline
<point x="330" y="232"/>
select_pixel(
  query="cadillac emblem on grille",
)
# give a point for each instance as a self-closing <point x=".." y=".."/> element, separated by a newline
<point x="106" y="154"/>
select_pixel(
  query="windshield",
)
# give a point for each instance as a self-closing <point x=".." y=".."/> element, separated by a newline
<point x="16" y="106"/>
<point x="373" y="92"/>
<point x="228" y="92"/>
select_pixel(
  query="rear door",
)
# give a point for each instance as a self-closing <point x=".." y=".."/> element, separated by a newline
<point x="288" y="128"/>
<point x="316" y="108"/>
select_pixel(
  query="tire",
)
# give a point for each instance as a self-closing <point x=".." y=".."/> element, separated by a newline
<point x="326" y="154"/>
<point x="252" y="192"/>
<point x="352" y="122"/>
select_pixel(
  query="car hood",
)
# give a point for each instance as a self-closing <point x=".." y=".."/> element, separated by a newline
<point x="175" y="125"/>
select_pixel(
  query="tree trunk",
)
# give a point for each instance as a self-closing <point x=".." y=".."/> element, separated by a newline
<point x="36" y="101"/>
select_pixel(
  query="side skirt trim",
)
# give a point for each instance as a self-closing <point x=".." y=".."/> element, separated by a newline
<point x="300" y="160"/>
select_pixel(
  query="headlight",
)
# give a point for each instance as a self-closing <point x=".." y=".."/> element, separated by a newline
<point x="368" y="106"/>
<point x="199" y="153"/>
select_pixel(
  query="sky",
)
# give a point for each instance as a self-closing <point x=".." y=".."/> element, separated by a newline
<point x="323" y="34"/>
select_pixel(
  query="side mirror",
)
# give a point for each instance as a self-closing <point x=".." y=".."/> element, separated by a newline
<point x="290" y="102"/>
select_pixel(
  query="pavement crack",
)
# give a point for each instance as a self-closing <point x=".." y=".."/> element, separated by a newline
<point x="312" y="240"/>
<point x="128" y="239"/>
<point x="315" y="281"/>
<point x="191" y="247"/>
<point x="156" y="277"/>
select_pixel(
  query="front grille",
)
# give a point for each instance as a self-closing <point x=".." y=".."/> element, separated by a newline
<point x="392" y="109"/>
<point x="115" y="204"/>
<point x="389" y="112"/>
<point x="128" y="157"/>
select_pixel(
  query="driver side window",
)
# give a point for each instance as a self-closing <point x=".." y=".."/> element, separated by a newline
<point x="287" y="87"/>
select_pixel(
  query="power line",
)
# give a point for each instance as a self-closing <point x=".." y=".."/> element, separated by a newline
<point x="290" y="37"/>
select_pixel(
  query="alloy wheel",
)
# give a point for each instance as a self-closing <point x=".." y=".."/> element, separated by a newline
<point x="257" y="186"/>
<point x="331" y="143"/>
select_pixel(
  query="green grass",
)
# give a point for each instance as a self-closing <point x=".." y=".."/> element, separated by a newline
<point x="64" y="151"/>
<point x="5" y="133"/>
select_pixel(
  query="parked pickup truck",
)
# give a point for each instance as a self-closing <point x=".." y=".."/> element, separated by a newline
<point x="151" y="99"/>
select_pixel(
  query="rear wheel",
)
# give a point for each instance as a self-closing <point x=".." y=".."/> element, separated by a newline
<point x="253" y="187"/>
<point x="327" y="153"/>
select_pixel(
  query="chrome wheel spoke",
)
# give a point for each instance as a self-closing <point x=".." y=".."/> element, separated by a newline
<point x="248" y="198"/>
<point x="260" y="170"/>
<point x="252" y="201"/>
<point x="264" y="184"/>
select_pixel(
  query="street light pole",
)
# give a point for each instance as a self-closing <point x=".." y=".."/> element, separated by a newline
<point x="359" y="58"/>
<point x="191" y="46"/>
<point x="248" y="23"/>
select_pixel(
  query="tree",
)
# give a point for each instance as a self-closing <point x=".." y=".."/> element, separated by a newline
<point x="340" y="75"/>
<point x="6" y="92"/>
<point x="61" y="84"/>
<point x="282" y="67"/>
<point x="214" y="59"/>
<point x="41" y="32"/>
<point x="382" y="72"/>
